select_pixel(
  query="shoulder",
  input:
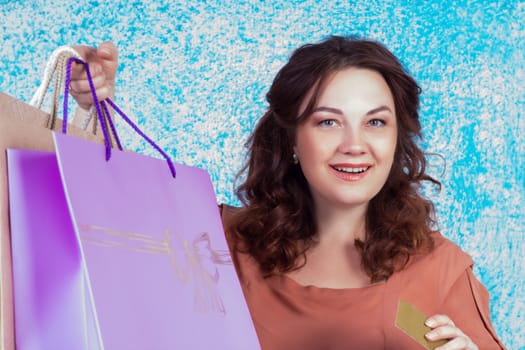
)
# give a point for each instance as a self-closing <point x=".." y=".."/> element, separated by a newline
<point x="227" y="213"/>
<point x="447" y="260"/>
<point x="246" y="266"/>
<point x="434" y="273"/>
<point x="446" y="255"/>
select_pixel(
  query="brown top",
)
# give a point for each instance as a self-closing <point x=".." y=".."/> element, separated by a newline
<point x="288" y="315"/>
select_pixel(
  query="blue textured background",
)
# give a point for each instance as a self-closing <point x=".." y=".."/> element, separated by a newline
<point x="193" y="74"/>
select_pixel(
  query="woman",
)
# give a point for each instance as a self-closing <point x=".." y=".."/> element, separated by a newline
<point x="334" y="245"/>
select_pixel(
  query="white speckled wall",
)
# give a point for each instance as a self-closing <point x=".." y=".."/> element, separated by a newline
<point x="194" y="75"/>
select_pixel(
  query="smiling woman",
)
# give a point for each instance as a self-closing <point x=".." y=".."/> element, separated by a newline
<point x="335" y="246"/>
<point x="334" y="232"/>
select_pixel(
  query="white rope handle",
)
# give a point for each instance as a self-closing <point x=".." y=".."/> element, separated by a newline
<point x="57" y="58"/>
<point x="56" y="67"/>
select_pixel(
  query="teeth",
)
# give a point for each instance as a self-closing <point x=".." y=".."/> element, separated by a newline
<point x="351" y="170"/>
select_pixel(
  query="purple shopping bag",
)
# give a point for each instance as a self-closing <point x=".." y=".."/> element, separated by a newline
<point x="135" y="259"/>
<point x="51" y="301"/>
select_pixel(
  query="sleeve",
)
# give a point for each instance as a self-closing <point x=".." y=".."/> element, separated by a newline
<point x="467" y="304"/>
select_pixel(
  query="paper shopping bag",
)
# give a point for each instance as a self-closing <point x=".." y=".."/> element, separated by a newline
<point x="147" y="262"/>
<point x="51" y="297"/>
<point x="21" y="126"/>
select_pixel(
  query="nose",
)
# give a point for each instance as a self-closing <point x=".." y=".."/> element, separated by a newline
<point x="351" y="141"/>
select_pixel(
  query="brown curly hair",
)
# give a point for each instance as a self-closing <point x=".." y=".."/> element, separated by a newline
<point x="276" y="225"/>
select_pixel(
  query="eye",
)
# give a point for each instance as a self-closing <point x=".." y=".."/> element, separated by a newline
<point x="377" y="123"/>
<point x="327" y="123"/>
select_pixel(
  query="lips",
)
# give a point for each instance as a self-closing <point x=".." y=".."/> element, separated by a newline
<point x="350" y="172"/>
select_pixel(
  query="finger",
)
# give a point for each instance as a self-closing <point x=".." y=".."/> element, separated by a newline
<point x="460" y="343"/>
<point x="82" y="85"/>
<point x="85" y="99"/>
<point x="108" y="58"/>
<point x="78" y="70"/>
<point x="444" y="332"/>
<point x="438" y="320"/>
<point x="86" y="52"/>
<point x="102" y="92"/>
<point x="105" y="56"/>
<point x="107" y="51"/>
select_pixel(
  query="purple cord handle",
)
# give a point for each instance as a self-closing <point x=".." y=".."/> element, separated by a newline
<point x="144" y="136"/>
<point x="111" y="124"/>
<point x="95" y="100"/>
<point x="101" y="116"/>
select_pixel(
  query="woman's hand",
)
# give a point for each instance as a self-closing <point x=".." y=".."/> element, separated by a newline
<point x="103" y="63"/>
<point x="444" y="329"/>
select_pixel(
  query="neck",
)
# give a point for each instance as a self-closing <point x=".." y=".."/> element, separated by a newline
<point x="334" y="261"/>
<point x="341" y="225"/>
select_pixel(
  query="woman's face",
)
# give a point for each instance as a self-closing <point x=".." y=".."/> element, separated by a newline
<point x="346" y="146"/>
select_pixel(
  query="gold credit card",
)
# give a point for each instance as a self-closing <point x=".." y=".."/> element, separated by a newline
<point x="412" y="321"/>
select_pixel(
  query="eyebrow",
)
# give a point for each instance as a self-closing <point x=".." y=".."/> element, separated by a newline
<point x="380" y="109"/>
<point x="338" y="111"/>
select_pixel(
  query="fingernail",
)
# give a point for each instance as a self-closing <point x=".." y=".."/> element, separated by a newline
<point x="430" y="322"/>
<point x="105" y="50"/>
<point x="431" y="335"/>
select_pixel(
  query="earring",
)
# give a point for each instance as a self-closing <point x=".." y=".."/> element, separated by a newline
<point x="295" y="159"/>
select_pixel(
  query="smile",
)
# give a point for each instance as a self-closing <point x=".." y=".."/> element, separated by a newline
<point x="352" y="170"/>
